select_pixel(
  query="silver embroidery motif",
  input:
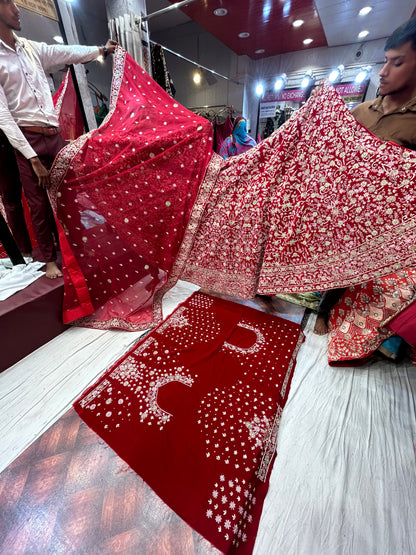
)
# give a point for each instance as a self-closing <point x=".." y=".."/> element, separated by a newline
<point x="154" y="410"/>
<point x="177" y="320"/>
<point x="260" y="341"/>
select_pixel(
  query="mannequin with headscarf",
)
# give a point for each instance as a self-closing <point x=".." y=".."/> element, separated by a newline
<point x="239" y="141"/>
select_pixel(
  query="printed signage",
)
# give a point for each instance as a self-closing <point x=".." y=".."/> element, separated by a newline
<point x="268" y="109"/>
<point x="42" y="7"/>
<point x="351" y="93"/>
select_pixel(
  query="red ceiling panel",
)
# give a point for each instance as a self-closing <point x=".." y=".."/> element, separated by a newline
<point x="269" y="23"/>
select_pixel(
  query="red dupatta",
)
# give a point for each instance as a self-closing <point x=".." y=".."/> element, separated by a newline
<point x="123" y="194"/>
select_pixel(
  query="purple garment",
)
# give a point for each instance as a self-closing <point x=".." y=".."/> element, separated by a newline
<point x="238" y="142"/>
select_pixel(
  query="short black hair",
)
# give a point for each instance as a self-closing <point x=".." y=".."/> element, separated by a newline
<point x="404" y="33"/>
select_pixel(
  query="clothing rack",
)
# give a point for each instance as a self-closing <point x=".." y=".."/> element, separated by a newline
<point x="213" y="114"/>
<point x="168" y="9"/>
<point x="211" y="106"/>
<point x="199" y="66"/>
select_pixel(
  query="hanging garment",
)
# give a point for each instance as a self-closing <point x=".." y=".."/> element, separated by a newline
<point x="222" y="131"/>
<point x="239" y="141"/>
<point x="67" y="107"/>
<point x="320" y="204"/>
<point x="159" y="69"/>
<point x="139" y="174"/>
<point x="321" y="201"/>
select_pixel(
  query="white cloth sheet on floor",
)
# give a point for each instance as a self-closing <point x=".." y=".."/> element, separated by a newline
<point x="15" y="278"/>
<point x="344" y="478"/>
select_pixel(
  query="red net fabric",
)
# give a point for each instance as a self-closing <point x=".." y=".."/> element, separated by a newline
<point x="321" y="203"/>
<point x="123" y="195"/>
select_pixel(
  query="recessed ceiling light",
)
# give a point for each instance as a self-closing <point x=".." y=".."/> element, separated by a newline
<point x="58" y="38"/>
<point x="260" y="51"/>
<point x="363" y="34"/>
<point x="307" y="41"/>
<point x="298" y="23"/>
<point x="366" y="10"/>
<point x="220" y="11"/>
<point x="243" y="35"/>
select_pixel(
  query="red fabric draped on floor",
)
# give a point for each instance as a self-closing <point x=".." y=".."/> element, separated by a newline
<point x="321" y="203"/>
<point x="194" y="409"/>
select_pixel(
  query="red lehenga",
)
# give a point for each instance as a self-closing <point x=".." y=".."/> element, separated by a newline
<point x="321" y="203"/>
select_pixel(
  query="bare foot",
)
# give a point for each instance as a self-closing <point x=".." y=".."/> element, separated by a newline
<point x="52" y="270"/>
<point x="321" y="327"/>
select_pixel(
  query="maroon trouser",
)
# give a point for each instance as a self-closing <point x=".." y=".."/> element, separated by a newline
<point x="43" y="221"/>
<point x="11" y="195"/>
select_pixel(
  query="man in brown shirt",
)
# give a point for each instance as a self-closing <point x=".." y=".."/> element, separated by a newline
<point x="391" y="117"/>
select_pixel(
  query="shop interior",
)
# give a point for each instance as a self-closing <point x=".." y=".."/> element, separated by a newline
<point x="342" y="480"/>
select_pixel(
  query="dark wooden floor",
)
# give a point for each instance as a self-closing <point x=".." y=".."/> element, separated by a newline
<point x="70" y="493"/>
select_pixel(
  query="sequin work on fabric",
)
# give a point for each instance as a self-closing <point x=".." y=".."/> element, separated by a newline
<point x="356" y="324"/>
<point x="321" y="203"/>
<point x="195" y="408"/>
<point x="123" y="194"/>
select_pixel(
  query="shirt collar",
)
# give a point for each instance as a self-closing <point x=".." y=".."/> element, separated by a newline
<point x="18" y="42"/>
<point x="377" y="106"/>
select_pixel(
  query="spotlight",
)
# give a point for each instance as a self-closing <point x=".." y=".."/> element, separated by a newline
<point x="307" y="79"/>
<point x="259" y="89"/>
<point x="280" y="82"/>
<point x="363" y="74"/>
<point x="266" y="10"/>
<point x="366" y="10"/>
<point x="197" y="77"/>
<point x="336" y="74"/>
